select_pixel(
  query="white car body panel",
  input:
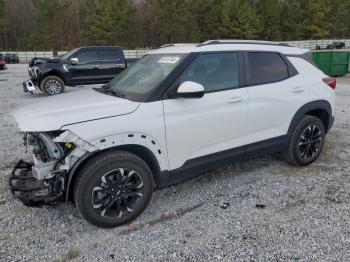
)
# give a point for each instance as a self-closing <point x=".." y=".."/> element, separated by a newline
<point x="272" y="107"/>
<point x="147" y="120"/>
<point x="312" y="78"/>
<point x="52" y="113"/>
<point x="202" y="126"/>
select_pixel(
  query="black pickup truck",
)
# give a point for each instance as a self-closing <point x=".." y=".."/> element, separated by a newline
<point x="81" y="66"/>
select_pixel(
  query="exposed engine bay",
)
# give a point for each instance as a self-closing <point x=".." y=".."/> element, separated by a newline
<point x="44" y="180"/>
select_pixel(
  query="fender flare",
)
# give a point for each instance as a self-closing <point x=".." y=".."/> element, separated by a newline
<point x="141" y="145"/>
<point x="55" y="73"/>
<point x="160" y="177"/>
<point x="322" y="105"/>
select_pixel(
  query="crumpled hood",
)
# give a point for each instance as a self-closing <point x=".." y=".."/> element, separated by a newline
<point x="52" y="113"/>
<point x="42" y="60"/>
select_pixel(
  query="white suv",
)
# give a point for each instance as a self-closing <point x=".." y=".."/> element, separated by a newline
<point x="179" y="111"/>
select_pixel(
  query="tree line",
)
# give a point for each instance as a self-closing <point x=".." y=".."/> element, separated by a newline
<point x="65" y="24"/>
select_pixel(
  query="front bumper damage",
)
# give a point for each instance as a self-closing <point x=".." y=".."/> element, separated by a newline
<point x="29" y="87"/>
<point x="34" y="192"/>
<point x="33" y="83"/>
<point x="45" y="183"/>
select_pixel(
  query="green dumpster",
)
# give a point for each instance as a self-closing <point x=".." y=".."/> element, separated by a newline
<point x="333" y="63"/>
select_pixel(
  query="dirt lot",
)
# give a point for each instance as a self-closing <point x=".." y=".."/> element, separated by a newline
<point x="259" y="210"/>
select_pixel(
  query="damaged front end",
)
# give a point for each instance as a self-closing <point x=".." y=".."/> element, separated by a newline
<point x="44" y="181"/>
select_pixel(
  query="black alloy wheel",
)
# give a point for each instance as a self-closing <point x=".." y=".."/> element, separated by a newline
<point x="117" y="193"/>
<point x="306" y="142"/>
<point x="113" y="188"/>
<point x="310" y="142"/>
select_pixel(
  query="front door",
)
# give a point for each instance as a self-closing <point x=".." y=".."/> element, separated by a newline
<point x="87" y="69"/>
<point x="197" y="127"/>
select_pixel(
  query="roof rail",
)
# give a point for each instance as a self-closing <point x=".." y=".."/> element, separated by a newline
<point x="178" y="44"/>
<point x="241" y="42"/>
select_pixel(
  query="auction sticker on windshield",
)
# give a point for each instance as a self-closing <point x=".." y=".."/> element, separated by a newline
<point x="169" y="60"/>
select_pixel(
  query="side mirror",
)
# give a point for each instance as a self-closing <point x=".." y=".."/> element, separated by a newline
<point x="74" y="61"/>
<point x="190" y="89"/>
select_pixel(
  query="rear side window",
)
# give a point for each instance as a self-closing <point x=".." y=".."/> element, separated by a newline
<point x="111" y="54"/>
<point x="215" y="72"/>
<point x="266" y="68"/>
<point x="87" y="56"/>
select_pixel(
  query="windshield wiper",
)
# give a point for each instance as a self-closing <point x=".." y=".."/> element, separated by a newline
<point x="106" y="89"/>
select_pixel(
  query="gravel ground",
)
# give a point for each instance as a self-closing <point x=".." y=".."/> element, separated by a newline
<point x="259" y="210"/>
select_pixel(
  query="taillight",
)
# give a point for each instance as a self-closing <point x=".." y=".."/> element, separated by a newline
<point x="331" y="81"/>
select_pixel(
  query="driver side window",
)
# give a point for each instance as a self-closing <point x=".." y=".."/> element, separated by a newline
<point x="216" y="72"/>
<point x="87" y="56"/>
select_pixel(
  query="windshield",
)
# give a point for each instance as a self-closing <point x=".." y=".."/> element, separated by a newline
<point x="68" y="54"/>
<point x="145" y="75"/>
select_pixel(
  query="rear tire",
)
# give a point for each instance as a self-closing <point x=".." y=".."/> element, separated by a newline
<point x="52" y="85"/>
<point x="113" y="188"/>
<point x="306" y="142"/>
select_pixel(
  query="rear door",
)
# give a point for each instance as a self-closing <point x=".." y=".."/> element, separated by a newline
<point x="275" y="94"/>
<point x="86" y="71"/>
<point x="112" y="62"/>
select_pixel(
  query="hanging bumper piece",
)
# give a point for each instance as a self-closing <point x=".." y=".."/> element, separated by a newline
<point x="33" y="192"/>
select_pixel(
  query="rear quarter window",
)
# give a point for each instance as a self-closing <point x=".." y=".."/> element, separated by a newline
<point x="266" y="68"/>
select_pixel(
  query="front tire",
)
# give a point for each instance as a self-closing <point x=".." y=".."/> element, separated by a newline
<point x="113" y="188"/>
<point x="306" y="142"/>
<point x="52" y="85"/>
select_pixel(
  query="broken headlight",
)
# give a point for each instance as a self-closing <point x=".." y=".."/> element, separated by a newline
<point x="47" y="153"/>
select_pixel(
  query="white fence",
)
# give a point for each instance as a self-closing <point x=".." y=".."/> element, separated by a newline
<point x="308" y="44"/>
<point x="311" y="44"/>
<point x="26" y="56"/>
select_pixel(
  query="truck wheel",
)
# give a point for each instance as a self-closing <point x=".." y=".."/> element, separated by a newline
<point x="113" y="188"/>
<point x="306" y="142"/>
<point x="52" y="85"/>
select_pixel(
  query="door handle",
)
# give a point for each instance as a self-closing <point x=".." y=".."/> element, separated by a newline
<point x="96" y="66"/>
<point x="298" y="89"/>
<point x="235" y="99"/>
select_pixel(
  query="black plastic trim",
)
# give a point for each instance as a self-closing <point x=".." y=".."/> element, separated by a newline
<point x="194" y="167"/>
<point x="309" y="107"/>
<point x="71" y="174"/>
<point x="159" y="177"/>
<point x="292" y="71"/>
